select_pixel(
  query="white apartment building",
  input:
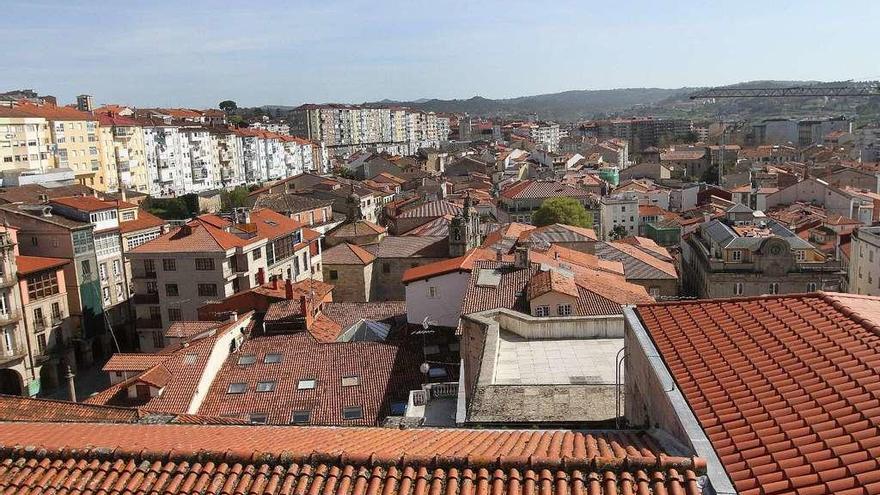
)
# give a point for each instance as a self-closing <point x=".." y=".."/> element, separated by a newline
<point x="227" y="147"/>
<point x="168" y="162"/>
<point x="204" y="159"/>
<point x="864" y="262"/>
<point x="545" y="134"/>
<point x="619" y="210"/>
<point x="25" y="141"/>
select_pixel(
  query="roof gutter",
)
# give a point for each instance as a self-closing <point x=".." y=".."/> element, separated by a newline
<point x="719" y="482"/>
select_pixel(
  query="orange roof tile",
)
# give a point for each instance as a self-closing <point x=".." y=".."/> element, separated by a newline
<point x="347" y="254"/>
<point x="462" y="263"/>
<point x="84" y="203"/>
<point x="543" y="282"/>
<point x="145" y="220"/>
<point x="785" y="387"/>
<point x="54" y="113"/>
<point x="32" y="264"/>
<point x="224" y="460"/>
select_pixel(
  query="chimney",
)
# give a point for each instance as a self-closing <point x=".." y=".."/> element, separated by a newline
<point x="306" y="308"/>
<point x="232" y="316"/>
<point x="288" y="289"/>
<point x="498" y="256"/>
<point x="71" y="385"/>
<point x="261" y="276"/>
<point x="275" y="282"/>
<point x="521" y="257"/>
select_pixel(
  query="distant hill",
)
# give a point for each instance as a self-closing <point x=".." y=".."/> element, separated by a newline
<point x="572" y="106"/>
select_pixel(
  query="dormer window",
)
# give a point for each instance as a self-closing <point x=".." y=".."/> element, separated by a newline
<point x="736" y="255"/>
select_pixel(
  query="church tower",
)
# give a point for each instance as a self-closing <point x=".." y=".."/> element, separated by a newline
<point x="464" y="230"/>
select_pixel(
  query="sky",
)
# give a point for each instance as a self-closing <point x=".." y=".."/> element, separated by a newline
<point x="195" y="53"/>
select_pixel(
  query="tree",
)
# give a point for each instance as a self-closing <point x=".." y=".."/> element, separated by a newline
<point x="235" y="198"/>
<point x="228" y="106"/>
<point x="618" y="232"/>
<point x="563" y="210"/>
<point x="710" y="175"/>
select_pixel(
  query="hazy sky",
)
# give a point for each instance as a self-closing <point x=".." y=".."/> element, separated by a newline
<point x="196" y="53"/>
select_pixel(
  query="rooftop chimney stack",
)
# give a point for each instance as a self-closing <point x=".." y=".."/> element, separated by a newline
<point x="521" y="257"/>
<point x="288" y="289"/>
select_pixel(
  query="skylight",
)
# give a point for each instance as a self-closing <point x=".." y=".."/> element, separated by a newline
<point x="272" y="357"/>
<point x="266" y="386"/>
<point x="259" y="418"/>
<point x="299" y="417"/>
<point x="355" y="412"/>
<point x="246" y="359"/>
<point x="306" y="384"/>
<point x="236" y="388"/>
<point x="350" y="381"/>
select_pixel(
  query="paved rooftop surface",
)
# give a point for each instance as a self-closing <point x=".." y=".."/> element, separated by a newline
<point x="555" y="362"/>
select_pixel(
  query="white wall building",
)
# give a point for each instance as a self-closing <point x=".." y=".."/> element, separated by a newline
<point x="619" y="210"/>
<point x="864" y="263"/>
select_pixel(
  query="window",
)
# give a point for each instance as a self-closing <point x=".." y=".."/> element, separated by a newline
<point x="386" y="268"/>
<point x="86" y="268"/>
<point x="334" y="275"/>
<point x="41" y="343"/>
<point x="433" y="292"/>
<point x="105" y="291"/>
<point x="299" y="417"/>
<point x="42" y="285"/>
<point x="800" y="255"/>
<point x="158" y="339"/>
<point x="542" y="311"/>
<point x="246" y="359"/>
<point x="811" y="287"/>
<point x="119" y="292"/>
<point x="267" y="386"/>
<point x="102" y="270"/>
<point x="306" y="384"/>
<point x="236" y="388"/>
<point x="150" y="268"/>
<point x="350" y="381"/>
<point x="39" y="322"/>
<point x="171" y="290"/>
<point x="257" y="254"/>
<point x="205" y="264"/>
<point x="654" y="292"/>
<point x="174" y="314"/>
<point x="117" y="267"/>
<point x="152" y="287"/>
<point x="355" y="412"/>
<point x="737" y="289"/>
<point x="259" y="418"/>
<point x="563" y="309"/>
<point x="774" y="288"/>
<point x="169" y="265"/>
<point x="155" y="312"/>
<point x="272" y="358"/>
<point x="56" y="311"/>
<point x="207" y="290"/>
<point x="736" y="255"/>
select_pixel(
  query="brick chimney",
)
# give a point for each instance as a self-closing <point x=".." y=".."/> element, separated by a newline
<point x="306" y="308"/>
<point x="288" y="289"/>
<point x="261" y="276"/>
<point x="275" y="283"/>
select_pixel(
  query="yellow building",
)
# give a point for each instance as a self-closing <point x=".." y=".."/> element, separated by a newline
<point x="24" y="141"/>
<point x="75" y="136"/>
<point x="122" y="149"/>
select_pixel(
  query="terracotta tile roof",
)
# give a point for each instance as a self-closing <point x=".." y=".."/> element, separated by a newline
<point x="538" y="189"/>
<point x="785" y="387"/>
<point x="108" y="119"/>
<point x="358" y="228"/>
<point x="411" y="247"/>
<point x="677" y="155"/>
<point x="288" y="202"/>
<point x="123" y="459"/>
<point x="272" y="225"/>
<point x="637" y="264"/>
<point x="543" y="282"/>
<point x="347" y="314"/>
<point x="15" y="408"/>
<point x="461" y="264"/>
<point x="195" y="237"/>
<point x="84" y="203"/>
<point x="431" y="209"/>
<point x="32" y="192"/>
<point x="649" y="246"/>
<point x="564" y="257"/>
<point x="386" y="373"/>
<point x="325" y="330"/>
<point x="54" y="113"/>
<point x="145" y="220"/>
<point x="505" y="236"/>
<point x="133" y="361"/>
<point x="347" y="254"/>
<point x="436" y="227"/>
<point x="32" y="264"/>
<point x="558" y="232"/>
<point x="188" y="329"/>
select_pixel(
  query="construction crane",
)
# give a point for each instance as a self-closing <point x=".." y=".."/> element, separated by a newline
<point x="861" y="90"/>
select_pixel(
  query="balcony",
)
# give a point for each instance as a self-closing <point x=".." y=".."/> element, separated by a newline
<point x="7" y="280"/>
<point x="144" y="276"/>
<point x="17" y="352"/>
<point x="9" y="317"/>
